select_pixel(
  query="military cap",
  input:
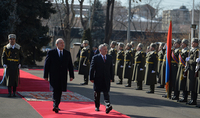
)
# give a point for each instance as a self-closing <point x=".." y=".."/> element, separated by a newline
<point x="129" y="45"/>
<point x="121" y="44"/>
<point x="185" y="41"/>
<point x="195" y="40"/>
<point x="140" y="45"/>
<point x="132" y="43"/>
<point x="153" y="45"/>
<point x="86" y="41"/>
<point x="148" y="47"/>
<point x="177" y="41"/>
<point x="162" y="44"/>
<point x="106" y="44"/>
<point x="11" y="36"/>
<point x="113" y="43"/>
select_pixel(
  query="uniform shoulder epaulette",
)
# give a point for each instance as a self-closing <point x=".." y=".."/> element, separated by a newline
<point x="130" y="51"/>
<point x="197" y="49"/>
<point x="188" y="50"/>
<point x="155" y="52"/>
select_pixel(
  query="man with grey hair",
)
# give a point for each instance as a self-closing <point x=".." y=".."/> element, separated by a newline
<point x="57" y="63"/>
<point x="101" y="74"/>
<point x="12" y="58"/>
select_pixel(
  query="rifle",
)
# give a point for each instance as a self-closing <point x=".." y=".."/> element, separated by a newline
<point x="186" y="67"/>
<point x="197" y="67"/>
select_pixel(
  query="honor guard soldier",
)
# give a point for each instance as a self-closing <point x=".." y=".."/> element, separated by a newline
<point x="180" y="79"/>
<point x="84" y="63"/>
<point x="160" y="62"/>
<point x="119" y="62"/>
<point x="133" y="51"/>
<point x="128" y="64"/>
<point x="191" y="79"/>
<point x="174" y="67"/>
<point x="138" y="70"/>
<point x="12" y="58"/>
<point x="151" y="67"/>
<point x="197" y="74"/>
<point x="113" y="53"/>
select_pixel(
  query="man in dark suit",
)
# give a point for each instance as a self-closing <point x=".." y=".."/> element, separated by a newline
<point x="101" y="74"/>
<point x="57" y="63"/>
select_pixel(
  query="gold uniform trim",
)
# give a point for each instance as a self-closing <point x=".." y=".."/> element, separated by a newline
<point x="12" y="59"/>
<point x="173" y="62"/>
<point x="126" y="60"/>
<point x="137" y="62"/>
<point x="149" y="62"/>
<point x="82" y="56"/>
<point x="160" y="59"/>
<point x="119" y="59"/>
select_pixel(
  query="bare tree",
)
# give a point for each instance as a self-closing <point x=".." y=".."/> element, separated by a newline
<point x="109" y="20"/>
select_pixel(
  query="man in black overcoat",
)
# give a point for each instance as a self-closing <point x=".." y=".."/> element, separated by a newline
<point x="101" y="74"/>
<point x="57" y="63"/>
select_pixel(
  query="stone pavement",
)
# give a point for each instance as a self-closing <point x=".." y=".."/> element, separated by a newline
<point x="131" y="102"/>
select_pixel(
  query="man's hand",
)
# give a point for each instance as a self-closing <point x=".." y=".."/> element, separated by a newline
<point x="84" y="65"/>
<point x="19" y="66"/>
<point x="110" y="80"/>
<point x="46" y="79"/>
<point x="71" y="79"/>
<point x="5" y="66"/>
<point x="92" y="81"/>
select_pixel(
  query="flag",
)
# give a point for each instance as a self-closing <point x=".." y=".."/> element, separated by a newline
<point x="168" y="58"/>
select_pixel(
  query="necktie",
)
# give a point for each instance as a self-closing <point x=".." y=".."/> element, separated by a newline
<point x="104" y="58"/>
<point x="61" y="55"/>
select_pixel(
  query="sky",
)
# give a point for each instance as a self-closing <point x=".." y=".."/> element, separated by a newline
<point x="165" y="4"/>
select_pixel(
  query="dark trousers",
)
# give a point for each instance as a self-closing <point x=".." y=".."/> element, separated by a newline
<point x="56" y="97"/>
<point x="152" y="87"/>
<point x="129" y="81"/>
<point x="10" y="89"/>
<point x="86" y="78"/>
<point x="120" y="78"/>
<point x="185" y="95"/>
<point x="97" y="99"/>
<point x="139" y="84"/>
<point x="194" y="96"/>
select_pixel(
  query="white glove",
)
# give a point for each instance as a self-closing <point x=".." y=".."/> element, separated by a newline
<point x="187" y="59"/>
<point x="121" y="66"/>
<point x="113" y="64"/>
<point x="19" y="66"/>
<point x="198" y="60"/>
<point x="133" y="64"/>
<point x="5" y="66"/>
<point x="141" y="69"/>
<point x="129" y="66"/>
<point x="153" y="71"/>
<point x="84" y="65"/>
<point x="196" y="68"/>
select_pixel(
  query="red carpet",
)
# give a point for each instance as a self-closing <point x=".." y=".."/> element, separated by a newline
<point x="30" y="82"/>
<point x="43" y="69"/>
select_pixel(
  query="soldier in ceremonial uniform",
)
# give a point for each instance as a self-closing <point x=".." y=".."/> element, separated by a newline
<point x="120" y="62"/>
<point x="160" y="62"/>
<point x="174" y="68"/>
<point x="138" y="70"/>
<point x="191" y="79"/>
<point x="113" y="53"/>
<point x="12" y="58"/>
<point x="128" y="64"/>
<point x="180" y="80"/>
<point x="133" y="51"/>
<point x="151" y="68"/>
<point x="84" y="63"/>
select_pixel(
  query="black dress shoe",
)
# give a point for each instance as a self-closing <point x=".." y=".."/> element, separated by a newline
<point x="14" y="95"/>
<point x="150" y="92"/>
<point x="84" y="83"/>
<point x="127" y="85"/>
<point x="96" y="109"/>
<point x="138" y="89"/>
<point x="165" y="96"/>
<point x="191" y="102"/>
<point x="58" y="109"/>
<point x="119" y="83"/>
<point x="9" y="95"/>
<point x="108" y="109"/>
<point x="182" y="100"/>
<point x="160" y="86"/>
<point x="198" y="106"/>
<point x="55" y="109"/>
<point x="175" y="98"/>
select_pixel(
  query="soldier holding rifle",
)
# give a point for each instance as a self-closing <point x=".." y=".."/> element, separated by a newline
<point x="191" y="79"/>
<point x="12" y="58"/>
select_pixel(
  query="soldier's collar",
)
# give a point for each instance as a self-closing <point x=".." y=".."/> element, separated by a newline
<point x="10" y="46"/>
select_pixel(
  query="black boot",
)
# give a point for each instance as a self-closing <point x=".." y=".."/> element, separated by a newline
<point x="9" y="91"/>
<point x="14" y="91"/>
